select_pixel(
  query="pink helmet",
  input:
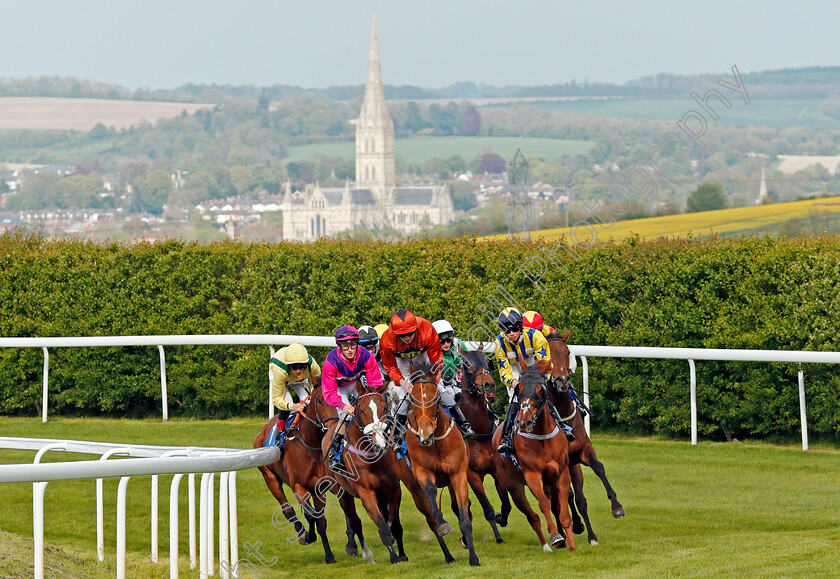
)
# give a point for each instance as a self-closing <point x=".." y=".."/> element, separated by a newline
<point x="345" y="333"/>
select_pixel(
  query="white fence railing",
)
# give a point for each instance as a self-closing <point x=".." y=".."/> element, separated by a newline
<point x="154" y="460"/>
<point x="584" y="351"/>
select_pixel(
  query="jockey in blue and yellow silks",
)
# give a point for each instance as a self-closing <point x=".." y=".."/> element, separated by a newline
<point x="516" y="350"/>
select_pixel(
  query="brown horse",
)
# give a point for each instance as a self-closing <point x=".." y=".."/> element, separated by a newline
<point x="303" y="471"/>
<point x="437" y="452"/>
<point x="477" y="386"/>
<point x="370" y="472"/>
<point x="542" y="454"/>
<point x="581" y="450"/>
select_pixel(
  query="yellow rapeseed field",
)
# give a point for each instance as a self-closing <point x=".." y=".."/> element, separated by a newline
<point x="697" y="224"/>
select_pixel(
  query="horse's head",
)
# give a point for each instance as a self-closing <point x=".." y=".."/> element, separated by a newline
<point x="318" y="411"/>
<point x="532" y="394"/>
<point x="370" y="417"/>
<point x="477" y="380"/>
<point x="560" y="356"/>
<point x="424" y="400"/>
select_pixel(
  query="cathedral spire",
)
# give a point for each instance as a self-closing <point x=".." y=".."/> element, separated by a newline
<point x="762" y="189"/>
<point x="374" y="91"/>
<point x="375" y="166"/>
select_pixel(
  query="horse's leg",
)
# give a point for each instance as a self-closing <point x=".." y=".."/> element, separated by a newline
<point x="351" y="549"/>
<point x="429" y="489"/>
<point x="477" y="484"/>
<point x="371" y="505"/>
<point x="348" y="505"/>
<point x="579" y="498"/>
<point x="574" y="500"/>
<point x="517" y="493"/>
<point x="275" y="485"/>
<point x="317" y="512"/>
<point x="504" y="513"/>
<point x="460" y="486"/>
<point x="590" y="459"/>
<point x="396" y="525"/>
<point x="564" y="484"/>
<point x="535" y="483"/>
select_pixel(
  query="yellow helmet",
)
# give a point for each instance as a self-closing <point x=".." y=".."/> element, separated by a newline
<point x="296" y="354"/>
<point x="380" y="329"/>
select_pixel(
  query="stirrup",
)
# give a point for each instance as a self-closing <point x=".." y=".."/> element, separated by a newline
<point x="567" y="430"/>
<point x="506" y="449"/>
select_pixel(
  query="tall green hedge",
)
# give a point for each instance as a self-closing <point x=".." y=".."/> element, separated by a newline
<point x="755" y="292"/>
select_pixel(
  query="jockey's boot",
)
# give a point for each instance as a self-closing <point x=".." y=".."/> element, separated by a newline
<point x="461" y="421"/>
<point x="280" y="439"/>
<point x="567" y="430"/>
<point x="335" y="460"/>
<point x="506" y="447"/>
<point x="399" y="434"/>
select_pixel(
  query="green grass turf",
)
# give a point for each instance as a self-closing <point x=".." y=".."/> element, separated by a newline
<point x="717" y="509"/>
<point x="419" y="149"/>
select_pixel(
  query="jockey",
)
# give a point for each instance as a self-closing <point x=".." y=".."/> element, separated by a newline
<point x="534" y="320"/>
<point x="291" y="369"/>
<point x="449" y="346"/>
<point x="515" y="351"/>
<point x="369" y="339"/>
<point x="412" y="338"/>
<point x="343" y="366"/>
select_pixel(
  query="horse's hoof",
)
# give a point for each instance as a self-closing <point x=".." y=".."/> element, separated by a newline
<point x="618" y="513"/>
<point x="329" y="560"/>
<point x="450" y="559"/>
<point x="351" y="551"/>
<point x="475" y="562"/>
<point x="500" y="541"/>
<point x="593" y="542"/>
<point x="463" y="543"/>
<point x="578" y="528"/>
<point x="402" y="558"/>
<point x="557" y="540"/>
<point x="500" y="520"/>
<point x="546" y="548"/>
<point x="444" y="529"/>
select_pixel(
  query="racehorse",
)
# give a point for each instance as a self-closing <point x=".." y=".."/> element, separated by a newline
<point x="581" y="450"/>
<point x="370" y="472"/>
<point x="477" y="386"/>
<point x="303" y="471"/>
<point x="438" y="455"/>
<point x="542" y="456"/>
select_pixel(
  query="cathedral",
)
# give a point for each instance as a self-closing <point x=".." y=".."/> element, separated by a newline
<point x="374" y="201"/>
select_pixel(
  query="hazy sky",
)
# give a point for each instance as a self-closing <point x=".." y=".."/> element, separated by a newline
<point x="428" y="43"/>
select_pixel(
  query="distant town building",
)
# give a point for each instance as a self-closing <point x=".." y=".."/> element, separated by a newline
<point x="373" y="201"/>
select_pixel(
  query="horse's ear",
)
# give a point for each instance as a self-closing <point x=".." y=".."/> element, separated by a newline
<point x="461" y="348"/>
<point x="566" y="335"/>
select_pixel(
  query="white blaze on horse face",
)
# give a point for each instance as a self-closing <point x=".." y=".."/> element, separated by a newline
<point x="377" y="427"/>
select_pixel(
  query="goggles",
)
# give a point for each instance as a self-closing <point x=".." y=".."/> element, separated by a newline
<point x="512" y="327"/>
<point x="348" y="343"/>
<point x="301" y="366"/>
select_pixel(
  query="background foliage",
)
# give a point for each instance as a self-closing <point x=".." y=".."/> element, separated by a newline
<point x="753" y="292"/>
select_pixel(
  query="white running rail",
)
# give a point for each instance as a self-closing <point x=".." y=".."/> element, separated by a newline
<point x="584" y="351"/>
<point x="150" y="460"/>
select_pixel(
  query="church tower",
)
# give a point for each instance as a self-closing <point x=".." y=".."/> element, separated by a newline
<point x="375" y="132"/>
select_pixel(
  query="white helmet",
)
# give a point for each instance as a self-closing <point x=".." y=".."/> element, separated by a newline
<point x="443" y="327"/>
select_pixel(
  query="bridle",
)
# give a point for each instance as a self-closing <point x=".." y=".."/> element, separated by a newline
<point x="526" y="405"/>
<point x="560" y="383"/>
<point x="367" y="429"/>
<point x="318" y="422"/>
<point x="424" y="405"/>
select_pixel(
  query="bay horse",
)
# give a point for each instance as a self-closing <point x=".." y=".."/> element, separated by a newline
<point x="542" y="456"/>
<point x="581" y="450"/>
<point x="438" y="454"/>
<point x="477" y="388"/>
<point x="302" y="471"/>
<point x="370" y="473"/>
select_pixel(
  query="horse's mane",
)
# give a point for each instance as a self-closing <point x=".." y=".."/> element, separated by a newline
<point x="556" y="335"/>
<point x="533" y="374"/>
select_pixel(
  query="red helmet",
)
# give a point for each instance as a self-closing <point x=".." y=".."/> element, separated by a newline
<point x="403" y="322"/>
<point x="532" y="320"/>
